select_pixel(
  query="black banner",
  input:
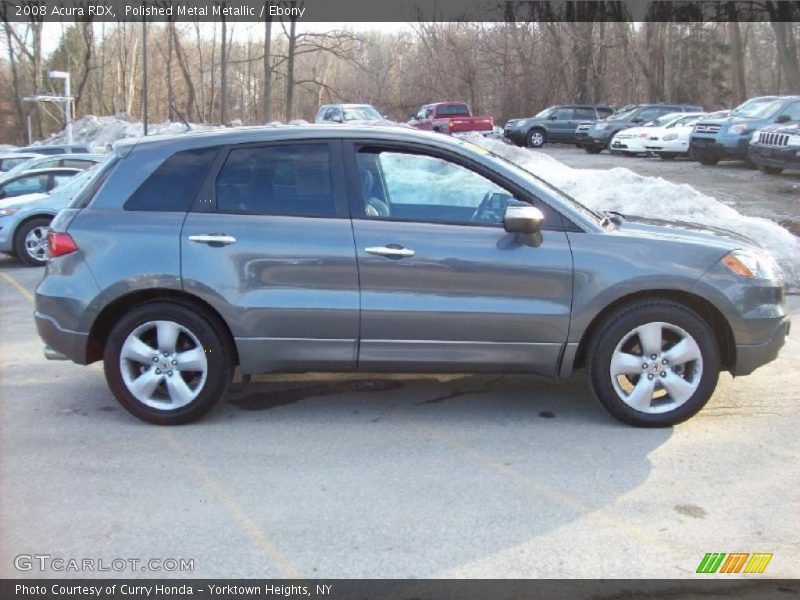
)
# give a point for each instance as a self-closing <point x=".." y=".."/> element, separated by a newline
<point x="388" y="589"/>
<point x="398" y="10"/>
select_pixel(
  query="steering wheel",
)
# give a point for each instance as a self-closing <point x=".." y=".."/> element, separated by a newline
<point x="488" y="211"/>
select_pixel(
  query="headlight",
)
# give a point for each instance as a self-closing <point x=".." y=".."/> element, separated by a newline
<point x="7" y="212"/>
<point x="740" y="128"/>
<point x="670" y="136"/>
<point x="752" y="264"/>
<point x="602" y="126"/>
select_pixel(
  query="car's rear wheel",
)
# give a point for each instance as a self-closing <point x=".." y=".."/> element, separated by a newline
<point x="30" y="242"/>
<point x="770" y="170"/>
<point x="166" y="363"/>
<point x="536" y="138"/>
<point x="653" y="363"/>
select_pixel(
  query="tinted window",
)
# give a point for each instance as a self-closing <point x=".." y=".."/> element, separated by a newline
<point x="7" y="164"/>
<point x="172" y="186"/>
<point x="418" y="187"/>
<point x="563" y="114"/>
<point x="453" y="109"/>
<point x="648" y="114"/>
<point x="604" y="112"/>
<point x="60" y="179"/>
<point x="793" y="110"/>
<point x="98" y="177"/>
<point x="30" y="184"/>
<point x="77" y="163"/>
<point x="293" y="180"/>
<point x="584" y="114"/>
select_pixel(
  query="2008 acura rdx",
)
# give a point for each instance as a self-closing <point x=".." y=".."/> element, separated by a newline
<point x="380" y="249"/>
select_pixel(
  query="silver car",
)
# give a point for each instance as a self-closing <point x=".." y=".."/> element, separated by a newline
<point x="386" y="249"/>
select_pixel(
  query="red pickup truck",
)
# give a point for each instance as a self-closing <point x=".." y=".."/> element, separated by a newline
<point x="450" y="117"/>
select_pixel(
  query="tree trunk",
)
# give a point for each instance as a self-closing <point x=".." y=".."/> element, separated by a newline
<point x="267" y="98"/>
<point x="290" y="69"/>
<point x="223" y="76"/>
<point x="738" y="86"/>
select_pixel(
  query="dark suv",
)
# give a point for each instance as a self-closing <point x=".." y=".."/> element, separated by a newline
<point x="595" y="137"/>
<point x="387" y="249"/>
<point x="554" y="124"/>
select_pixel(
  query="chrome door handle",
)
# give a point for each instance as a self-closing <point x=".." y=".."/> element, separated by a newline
<point x="213" y="238"/>
<point x="398" y="251"/>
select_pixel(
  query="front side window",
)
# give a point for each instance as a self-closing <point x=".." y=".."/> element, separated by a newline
<point x="31" y="184"/>
<point x="418" y="187"/>
<point x="793" y="111"/>
<point x="563" y="114"/>
<point x="289" y="180"/>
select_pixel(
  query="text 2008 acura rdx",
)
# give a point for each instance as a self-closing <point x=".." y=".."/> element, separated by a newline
<point x="378" y="249"/>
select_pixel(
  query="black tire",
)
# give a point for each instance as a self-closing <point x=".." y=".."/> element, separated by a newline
<point x="592" y="149"/>
<point x="218" y="356"/>
<point x="20" y="250"/>
<point x="770" y="170"/>
<point x="536" y="138"/>
<point x="666" y="155"/>
<point x="616" y="326"/>
<point x="708" y="160"/>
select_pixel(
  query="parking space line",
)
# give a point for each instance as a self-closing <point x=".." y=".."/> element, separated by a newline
<point x="18" y="286"/>
<point x="545" y="490"/>
<point x="250" y="527"/>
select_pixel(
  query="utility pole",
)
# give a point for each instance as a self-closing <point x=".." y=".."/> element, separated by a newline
<point x="144" y="73"/>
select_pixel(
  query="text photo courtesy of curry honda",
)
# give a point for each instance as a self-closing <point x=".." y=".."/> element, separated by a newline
<point x="337" y="291"/>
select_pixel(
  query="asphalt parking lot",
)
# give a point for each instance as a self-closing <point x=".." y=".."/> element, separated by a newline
<point x="389" y="476"/>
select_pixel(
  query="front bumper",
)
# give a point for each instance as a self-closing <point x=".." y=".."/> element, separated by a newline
<point x="730" y="147"/>
<point x="630" y="145"/>
<point x="782" y="157"/>
<point x="7" y="234"/>
<point x="751" y="356"/>
<point x="515" y="135"/>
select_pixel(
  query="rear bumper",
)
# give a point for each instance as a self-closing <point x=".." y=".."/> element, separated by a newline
<point x="751" y="356"/>
<point x="70" y="344"/>
<point x="585" y="139"/>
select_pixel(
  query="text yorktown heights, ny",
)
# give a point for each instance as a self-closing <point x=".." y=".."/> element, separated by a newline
<point x="161" y="590"/>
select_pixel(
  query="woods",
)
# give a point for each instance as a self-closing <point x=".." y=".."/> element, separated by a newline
<point x="229" y="72"/>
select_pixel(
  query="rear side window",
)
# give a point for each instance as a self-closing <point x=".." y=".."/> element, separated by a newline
<point x="584" y="114"/>
<point x="288" y="180"/>
<point x="173" y="185"/>
<point x="453" y="110"/>
<point x="77" y="163"/>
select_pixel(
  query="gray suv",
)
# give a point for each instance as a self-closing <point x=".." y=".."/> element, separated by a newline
<point x="387" y="249"/>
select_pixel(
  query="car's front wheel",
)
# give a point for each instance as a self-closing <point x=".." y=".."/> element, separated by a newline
<point x="536" y="138"/>
<point x="653" y="363"/>
<point x="770" y="170"/>
<point x="30" y="242"/>
<point x="166" y="363"/>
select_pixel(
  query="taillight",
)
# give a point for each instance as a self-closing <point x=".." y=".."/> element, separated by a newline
<point x="60" y="243"/>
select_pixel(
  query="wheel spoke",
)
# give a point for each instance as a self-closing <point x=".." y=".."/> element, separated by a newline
<point x="642" y="394"/>
<point x="136" y="350"/>
<point x="677" y="387"/>
<point x="684" y="351"/>
<point x="623" y="363"/>
<point x="191" y="360"/>
<point x="144" y="385"/>
<point x="650" y="338"/>
<point x="167" y="336"/>
<point x="179" y="393"/>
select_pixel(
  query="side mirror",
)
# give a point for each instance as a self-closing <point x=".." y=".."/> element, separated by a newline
<point x="337" y="119"/>
<point x="553" y="117"/>
<point x="783" y="119"/>
<point x="521" y="218"/>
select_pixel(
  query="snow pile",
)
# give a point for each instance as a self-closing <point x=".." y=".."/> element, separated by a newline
<point x="624" y="191"/>
<point x="101" y="132"/>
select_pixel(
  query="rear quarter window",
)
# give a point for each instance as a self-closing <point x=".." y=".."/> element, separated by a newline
<point x="173" y="185"/>
<point x="84" y="197"/>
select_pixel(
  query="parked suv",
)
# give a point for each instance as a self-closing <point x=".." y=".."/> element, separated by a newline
<point x="387" y="249"/>
<point x="776" y="147"/>
<point x="554" y="124"/>
<point x="729" y="138"/>
<point x="595" y="137"/>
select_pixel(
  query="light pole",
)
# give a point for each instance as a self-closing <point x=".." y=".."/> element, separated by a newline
<point x="67" y="101"/>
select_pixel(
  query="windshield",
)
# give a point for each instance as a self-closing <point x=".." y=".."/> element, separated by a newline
<point x="623" y="114"/>
<point x="19" y="167"/>
<point x="545" y="113"/>
<point x="7" y="164"/>
<point x="753" y="109"/>
<point x="663" y="121"/>
<point x="584" y="210"/>
<point x="361" y="113"/>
